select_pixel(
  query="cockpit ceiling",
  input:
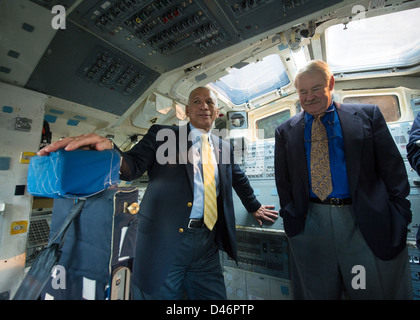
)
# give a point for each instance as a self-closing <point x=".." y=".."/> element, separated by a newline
<point x="166" y="34"/>
<point x="113" y="50"/>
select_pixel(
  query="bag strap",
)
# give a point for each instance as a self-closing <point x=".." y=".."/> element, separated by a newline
<point x="40" y="271"/>
<point x="75" y="210"/>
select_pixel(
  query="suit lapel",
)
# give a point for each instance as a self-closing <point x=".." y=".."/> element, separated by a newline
<point x="352" y="128"/>
<point x="184" y="146"/>
<point x="221" y="159"/>
<point x="297" y="149"/>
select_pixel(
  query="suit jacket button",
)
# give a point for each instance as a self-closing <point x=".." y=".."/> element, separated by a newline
<point x="189" y="204"/>
<point x="181" y="230"/>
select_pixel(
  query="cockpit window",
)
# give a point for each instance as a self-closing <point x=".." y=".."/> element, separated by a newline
<point x="266" y="126"/>
<point x="378" y="42"/>
<point x="388" y="104"/>
<point x="253" y="80"/>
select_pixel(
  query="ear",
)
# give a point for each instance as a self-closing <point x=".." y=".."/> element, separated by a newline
<point x="187" y="112"/>
<point x="216" y="113"/>
<point x="331" y="83"/>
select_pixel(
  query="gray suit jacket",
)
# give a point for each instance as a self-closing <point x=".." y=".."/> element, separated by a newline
<point x="376" y="172"/>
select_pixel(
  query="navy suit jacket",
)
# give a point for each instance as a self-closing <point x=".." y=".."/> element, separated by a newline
<point x="376" y="175"/>
<point x="413" y="155"/>
<point x="413" y="151"/>
<point x="166" y="205"/>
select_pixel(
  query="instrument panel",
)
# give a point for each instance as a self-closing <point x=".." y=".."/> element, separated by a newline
<point x="112" y="51"/>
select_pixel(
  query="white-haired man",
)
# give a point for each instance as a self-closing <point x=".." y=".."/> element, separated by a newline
<point x="342" y="186"/>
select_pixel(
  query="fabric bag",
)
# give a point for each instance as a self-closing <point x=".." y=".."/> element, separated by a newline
<point x="97" y="257"/>
<point x="73" y="174"/>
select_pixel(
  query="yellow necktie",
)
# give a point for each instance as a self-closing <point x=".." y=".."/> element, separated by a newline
<point x="320" y="160"/>
<point x="210" y="201"/>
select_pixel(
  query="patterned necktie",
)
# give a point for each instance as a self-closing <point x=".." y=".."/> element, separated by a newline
<point x="210" y="202"/>
<point x="320" y="160"/>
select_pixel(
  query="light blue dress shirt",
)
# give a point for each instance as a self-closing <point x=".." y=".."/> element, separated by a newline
<point x="197" y="210"/>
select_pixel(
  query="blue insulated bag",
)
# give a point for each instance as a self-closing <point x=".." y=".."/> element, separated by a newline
<point x="73" y="174"/>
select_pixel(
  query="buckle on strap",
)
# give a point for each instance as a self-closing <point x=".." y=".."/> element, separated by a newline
<point x="336" y="202"/>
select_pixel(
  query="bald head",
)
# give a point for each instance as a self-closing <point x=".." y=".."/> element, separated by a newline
<point x="202" y="108"/>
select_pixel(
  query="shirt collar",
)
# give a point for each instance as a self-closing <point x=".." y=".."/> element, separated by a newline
<point x="196" y="134"/>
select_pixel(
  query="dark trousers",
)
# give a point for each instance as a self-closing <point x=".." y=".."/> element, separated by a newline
<point x="196" y="273"/>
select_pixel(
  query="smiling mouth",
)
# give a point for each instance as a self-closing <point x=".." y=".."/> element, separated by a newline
<point x="312" y="102"/>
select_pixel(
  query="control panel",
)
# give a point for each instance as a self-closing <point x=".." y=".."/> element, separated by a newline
<point x="261" y="252"/>
<point x="168" y="34"/>
<point x="112" y="51"/>
<point x="257" y="159"/>
<point x="162" y="26"/>
<point x="414" y="259"/>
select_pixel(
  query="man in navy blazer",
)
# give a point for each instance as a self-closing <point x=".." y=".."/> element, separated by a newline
<point x="362" y="225"/>
<point x="176" y="254"/>
<point x="166" y="206"/>
<point x="413" y="154"/>
<point x="413" y="145"/>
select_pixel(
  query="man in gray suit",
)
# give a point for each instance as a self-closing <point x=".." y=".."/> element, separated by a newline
<point x="351" y="241"/>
